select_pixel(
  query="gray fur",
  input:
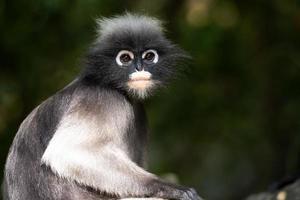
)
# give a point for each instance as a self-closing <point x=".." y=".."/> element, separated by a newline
<point x="88" y="140"/>
<point x="111" y="136"/>
<point x="135" y="22"/>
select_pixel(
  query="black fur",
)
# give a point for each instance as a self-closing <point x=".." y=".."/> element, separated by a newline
<point x="102" y="69"/>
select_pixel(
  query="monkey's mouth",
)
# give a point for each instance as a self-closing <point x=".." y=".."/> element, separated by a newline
<point x="140" y="80"/>
<point x="139" y="84"/>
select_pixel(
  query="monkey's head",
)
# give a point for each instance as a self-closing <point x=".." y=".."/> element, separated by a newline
<point x="132" y="54"/>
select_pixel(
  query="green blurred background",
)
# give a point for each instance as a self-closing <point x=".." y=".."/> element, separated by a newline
<point x="230" y="127"/>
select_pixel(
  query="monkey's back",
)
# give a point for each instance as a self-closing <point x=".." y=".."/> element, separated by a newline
<point x="25" y="178"/>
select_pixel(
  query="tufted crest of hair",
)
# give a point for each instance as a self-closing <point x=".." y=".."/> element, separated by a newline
<point x="127" y="22"/>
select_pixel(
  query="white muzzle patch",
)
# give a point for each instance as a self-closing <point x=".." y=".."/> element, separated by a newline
<point x="140" y="82"/>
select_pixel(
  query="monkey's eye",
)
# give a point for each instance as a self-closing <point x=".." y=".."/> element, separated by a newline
<point x="150" y="56"/>
<point x="124" y="57"/>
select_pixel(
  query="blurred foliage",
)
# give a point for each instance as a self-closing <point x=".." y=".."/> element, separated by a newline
<point x="229" y="128"/>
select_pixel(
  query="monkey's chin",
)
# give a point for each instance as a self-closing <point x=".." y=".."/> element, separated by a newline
<point x="140" y="88"/>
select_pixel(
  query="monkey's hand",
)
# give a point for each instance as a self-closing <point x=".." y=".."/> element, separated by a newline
<point x="171" y="191"/>
<point x="150" y="198"/>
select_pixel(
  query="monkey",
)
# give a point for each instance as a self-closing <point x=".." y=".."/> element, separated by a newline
<point x="88" y="140"/>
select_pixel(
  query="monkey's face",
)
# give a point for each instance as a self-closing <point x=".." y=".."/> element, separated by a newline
<point x="138" y="66"/>
<point x="145" y="69"/>
<point x="136" y="63"/>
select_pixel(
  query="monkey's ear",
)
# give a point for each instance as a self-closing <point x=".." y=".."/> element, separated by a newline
<point x="127" y="22"/>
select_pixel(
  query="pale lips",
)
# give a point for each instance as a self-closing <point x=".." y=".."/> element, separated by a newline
<point x="140" y="76"/>
<point x="140" y="80"/>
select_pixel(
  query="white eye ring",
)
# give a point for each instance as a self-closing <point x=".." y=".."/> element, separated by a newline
<point x="155" y="59"/>
<point x="121" y="53"/>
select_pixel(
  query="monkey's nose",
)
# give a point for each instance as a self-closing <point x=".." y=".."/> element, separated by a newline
<point x="139" y="67"/>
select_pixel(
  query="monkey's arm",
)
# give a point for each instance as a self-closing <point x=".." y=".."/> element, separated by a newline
<point x="89" y="149"/>
<point x="111" y="171"/>
<point x="108" y="169"/>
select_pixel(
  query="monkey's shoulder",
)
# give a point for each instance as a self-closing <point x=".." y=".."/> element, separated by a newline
<point x="77" y="103"/>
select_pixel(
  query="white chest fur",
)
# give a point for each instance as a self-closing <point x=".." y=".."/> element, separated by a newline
<point x="84" y="136"/>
